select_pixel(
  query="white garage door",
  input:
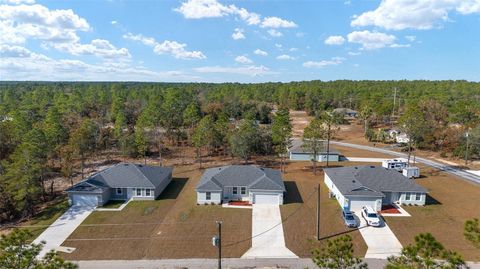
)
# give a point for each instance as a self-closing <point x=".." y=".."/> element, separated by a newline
<point x="356" y="204"/>
<point x="271" y="199"/>
<point x="84" y="200"/>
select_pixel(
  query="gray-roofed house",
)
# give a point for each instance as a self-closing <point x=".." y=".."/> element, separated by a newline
<point x="240" y="183"/>
<point x="297" y="152"/>
<point x="122" y="181"/>
<point x="357" y="186"/>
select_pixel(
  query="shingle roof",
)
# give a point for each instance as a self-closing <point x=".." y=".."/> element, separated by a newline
<point x="128" y="175"/>
<point x="214" y="179"/>
<point x="297" y="147"/>
<point x="370" y="181"/>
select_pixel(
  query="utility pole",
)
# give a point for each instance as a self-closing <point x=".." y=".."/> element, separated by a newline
<point x="328" y="143"/>
<point x="318" y="212"/>
<point x="219" y="226"/>
<point x="394" y="103"/>
<point x="466" y="150"/>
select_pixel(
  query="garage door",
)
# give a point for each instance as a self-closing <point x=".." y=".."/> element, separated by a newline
<point x="272" y="199"/>
<point x="84" y="200"/>
<point x="356" y="204"/>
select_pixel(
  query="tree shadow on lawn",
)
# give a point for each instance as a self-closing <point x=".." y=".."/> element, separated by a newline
<point x="293" y="194"/>
<point x="173" y="189"/>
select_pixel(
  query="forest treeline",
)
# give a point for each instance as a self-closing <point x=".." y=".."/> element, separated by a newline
<point x="51" y="129"/>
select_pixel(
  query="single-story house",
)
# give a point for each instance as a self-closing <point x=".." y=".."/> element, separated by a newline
<point x="358" y="186"/>
<point x="297" y="152"/>
<point x="346" y="112"/>
<point x="123" y="181"/>
<point x="240" y="183"/>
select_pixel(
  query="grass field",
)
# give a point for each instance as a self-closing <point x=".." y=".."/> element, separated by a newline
<point x="299" y="212"/>
<point x="171" y="227"/>
<point x="452" y="201"/>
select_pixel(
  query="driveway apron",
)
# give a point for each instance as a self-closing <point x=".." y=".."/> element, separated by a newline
<point x="61" y="229"/>
<point x="267" y="234"/>
<point x="381" y="241"/>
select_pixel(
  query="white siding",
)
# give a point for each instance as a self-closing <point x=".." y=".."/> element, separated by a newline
<point x="413" y="200"/>
<point x="215" y="197"/>
<point x="333" y="189"/>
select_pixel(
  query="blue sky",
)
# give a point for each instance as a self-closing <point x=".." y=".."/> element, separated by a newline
<point x="239" y="41"/>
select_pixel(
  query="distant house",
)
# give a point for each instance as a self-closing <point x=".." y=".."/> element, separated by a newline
<point x="297" y="152"/>
<point x="358" y="186"/>
<point x="346" y="112"/>
<point x="122" y="181"/>
<point x="240" y="183"/>
<point x="398" y="136"/>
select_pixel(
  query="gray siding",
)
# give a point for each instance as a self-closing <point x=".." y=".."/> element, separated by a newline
<point x="413" y="200"/>
<point x="115" y="196"/>
<point x="308" y="157"/>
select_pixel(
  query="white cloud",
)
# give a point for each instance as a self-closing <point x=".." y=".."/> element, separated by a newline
<point x="98" y="47"/>
<point x="238" y="34"/>
<point x="275" y="22"/>
<point x="335" y="40"/>
<point x="19" y="23"/>
<point x="323" y="63"/>
<point x="285" y="57"/>
<point x="199" y="9"/>
<point x="410" y="38"/>
<point x="274" y="33"/>
<point x="243" y="60"/>
<point x="293" y="49"/>
<point x="351" y="53"/>
<point x="33" y="66"/>
<point x="243" y="70"/>
<point x="177" y="50"/>
<point x="400" y="45"/>
<point x="53" y="28"/>
<point x="260" y="52"/>
<point x="300" y="34"/>
<point x="414" y="14"/>
<point x="278" y="45"/>
<point x="17" y="2"/>
<point x="173" y="48"/>
<point x="114" y="22"/>
<point x="149" y="41"/>
<point x="371" y="40"/>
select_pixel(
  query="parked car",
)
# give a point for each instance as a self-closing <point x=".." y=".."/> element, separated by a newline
<point x="349" y="219"/>
<point x="371" y="216"/>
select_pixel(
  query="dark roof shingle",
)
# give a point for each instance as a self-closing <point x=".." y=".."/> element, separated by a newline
<point x="370" y="181"/>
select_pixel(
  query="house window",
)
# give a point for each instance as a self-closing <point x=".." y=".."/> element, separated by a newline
<point x="243" y="190"/>
<point x="235" y="190"/>
<point x="418" y="196"/>
<point x="139" y="192"/>
<point x="119" y="191"/>
<point x="208" y="196"/>
<point x="407" y="196"/>
<point x="147" y="192"/>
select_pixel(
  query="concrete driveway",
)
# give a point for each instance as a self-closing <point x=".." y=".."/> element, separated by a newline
<point x="61" y="229"/>
<point x="381" y="241"/>
<point x="267" y="234"/>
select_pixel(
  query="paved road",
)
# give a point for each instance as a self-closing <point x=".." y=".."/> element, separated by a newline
<point x="381" y="241"/>
<point x="61" y="229"/>
<point x="443" y="167"/>
<point x="267" y="234"/>
<point x="212" y="263"/>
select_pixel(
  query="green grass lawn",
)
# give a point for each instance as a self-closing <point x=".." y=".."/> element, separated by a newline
<point x="46" y="217"/>
<point x="113" y="204"/>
